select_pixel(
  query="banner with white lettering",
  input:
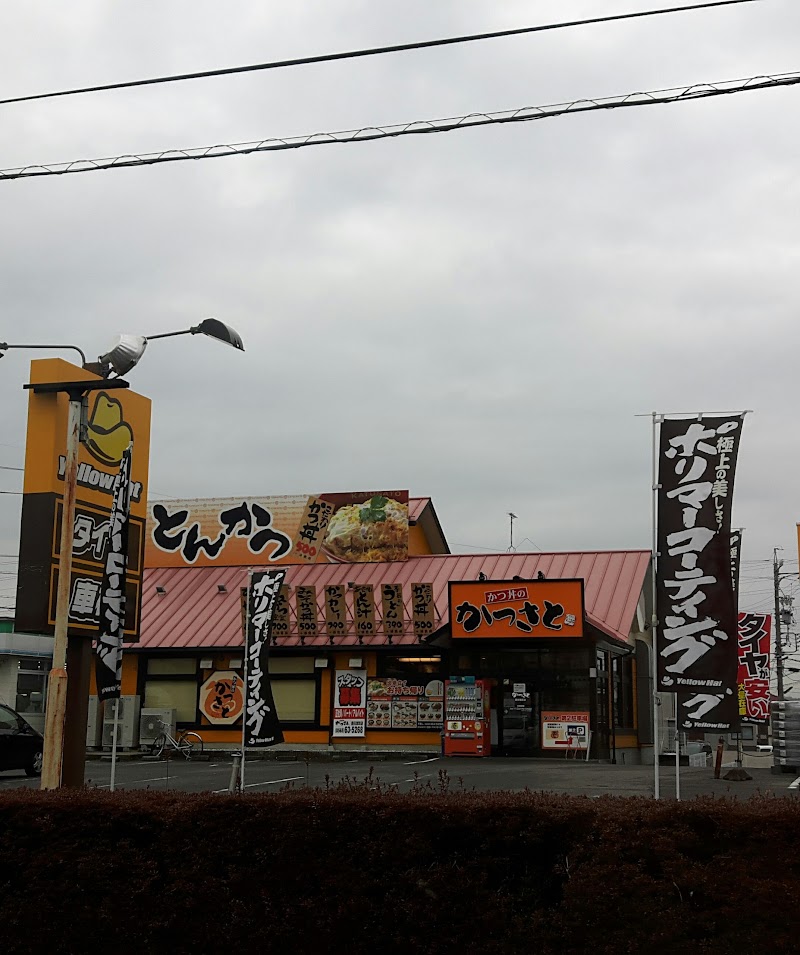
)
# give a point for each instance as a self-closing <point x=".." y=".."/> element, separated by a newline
<point x="736" y="562"/>
<point x="697" y="613"/>
<point x="754" y="640"/>
<point x="108" y="649"/>
<point x="261" y="725"/>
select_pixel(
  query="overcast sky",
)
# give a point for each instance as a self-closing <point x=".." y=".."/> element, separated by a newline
<point x="478" y="316"/>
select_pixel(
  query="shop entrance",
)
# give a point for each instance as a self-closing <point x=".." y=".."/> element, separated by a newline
<point x="518" y="716"/>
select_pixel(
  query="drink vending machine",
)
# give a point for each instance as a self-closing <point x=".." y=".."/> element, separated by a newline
<point x="467" y="717"/>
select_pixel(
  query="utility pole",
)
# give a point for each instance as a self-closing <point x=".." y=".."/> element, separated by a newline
<point x="781" y="602"/>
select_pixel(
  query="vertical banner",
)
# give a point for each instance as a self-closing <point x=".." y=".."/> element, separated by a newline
<point x="392" y="600"/>
<point x="280" y="615"/>
<point x="364" y="610"/>
<point x="306" y="608"/>
<point x="736" y="563"/>
<point x="422" y="609"/>
<point x="335" y="612"/>
<point x="754" y="640"/>
<point x="350" y="703"/>
<point x="108" y="650"/>
<point x="261" y="725"/>
<point x="697" y="655"/>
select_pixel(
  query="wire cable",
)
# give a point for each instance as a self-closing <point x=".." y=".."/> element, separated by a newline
<point x="393" y="131"/>
<point x="372" y="51"/>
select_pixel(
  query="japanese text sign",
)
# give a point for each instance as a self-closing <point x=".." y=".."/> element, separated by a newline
<point x="364" y="610"/>
<point x="335" y="611"/>
<point x="113" y="590"/>
<point x="350" y="703"/>
<point x="261" y="725"/>
<point x="513" y="610"/>
<point x="306" y="601"/>
<point x="114" y="419"/>
<point x="753" y="680"/>
<point x="392" y="600"/>
<point x="565" y="731"/>
<point x="222" y="698"/>
<point x="422" y="610"/>
<point x="273" y="531"/>
<point x="694" y="589"/>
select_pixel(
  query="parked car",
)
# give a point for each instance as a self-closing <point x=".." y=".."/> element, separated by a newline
<point x="21" y="747"/>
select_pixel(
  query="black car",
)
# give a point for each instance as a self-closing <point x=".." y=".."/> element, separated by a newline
<point x="21" y="747"/>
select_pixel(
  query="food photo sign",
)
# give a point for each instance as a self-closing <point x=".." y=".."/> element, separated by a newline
<point x="353" y="527"/>
<point x="396" y="704"/>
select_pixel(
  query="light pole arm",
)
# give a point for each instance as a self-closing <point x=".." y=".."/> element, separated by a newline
<point x="4" y="346"/>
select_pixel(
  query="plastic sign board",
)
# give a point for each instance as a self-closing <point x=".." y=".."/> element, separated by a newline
<point x="355" y="527"/>
<point x="516" y="609"/>
<point x="565" y="730"/>
<point x="350" y="704"/>
<point x="115" y="419"/>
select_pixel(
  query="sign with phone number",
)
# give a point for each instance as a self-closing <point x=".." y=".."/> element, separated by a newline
<point x="348" y="727"/>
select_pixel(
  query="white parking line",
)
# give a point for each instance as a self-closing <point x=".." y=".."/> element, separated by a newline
<point x="416" y="762"/>
<point x="795" y="784"/>
<point x="269" y="782"/>
<point x="418" y="776"/>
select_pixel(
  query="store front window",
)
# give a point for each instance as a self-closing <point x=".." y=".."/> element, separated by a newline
<point x="172" y="684"/>
<point x="31" y="685"/>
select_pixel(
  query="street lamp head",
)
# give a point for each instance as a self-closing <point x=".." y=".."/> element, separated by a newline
<point x="124" y="354"/>
<point x="214" y="328"/>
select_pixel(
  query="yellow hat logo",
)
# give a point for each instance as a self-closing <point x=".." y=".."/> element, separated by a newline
<point x="109" y="433"/>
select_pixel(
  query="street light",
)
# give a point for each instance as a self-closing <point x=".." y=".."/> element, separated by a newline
<point x="128" y="349"/>
<point x="124" y="355"/>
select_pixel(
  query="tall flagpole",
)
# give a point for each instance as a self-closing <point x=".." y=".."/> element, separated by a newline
<point x="244" y="688"/>
<point x="654" y="616"/>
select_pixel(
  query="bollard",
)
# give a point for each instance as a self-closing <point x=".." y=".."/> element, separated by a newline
<point x="236" y="763"/>
<point x="718" y="762"/>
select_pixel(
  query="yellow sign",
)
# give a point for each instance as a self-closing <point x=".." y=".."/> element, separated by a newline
<point x="115" y="418"/>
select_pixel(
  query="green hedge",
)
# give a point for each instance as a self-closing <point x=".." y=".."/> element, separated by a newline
<point x="357" y="870"/>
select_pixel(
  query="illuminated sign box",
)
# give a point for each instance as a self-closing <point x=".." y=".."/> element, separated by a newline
<point x="516" y="609"/>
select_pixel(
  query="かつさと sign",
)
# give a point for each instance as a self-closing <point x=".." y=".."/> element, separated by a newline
<point x="222" y="698"/>
<point x="516" y="609"/>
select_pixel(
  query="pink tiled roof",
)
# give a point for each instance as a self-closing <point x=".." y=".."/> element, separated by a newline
<point x="194" y="613"/>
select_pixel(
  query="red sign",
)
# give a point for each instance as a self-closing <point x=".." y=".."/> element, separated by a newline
<point x="753" y="680"/>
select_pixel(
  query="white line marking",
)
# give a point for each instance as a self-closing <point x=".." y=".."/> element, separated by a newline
<point x="415" y="762"/>
<point x="418" y="776"/>
<point x="269" y="782"/>
<point x="795" y="784"/>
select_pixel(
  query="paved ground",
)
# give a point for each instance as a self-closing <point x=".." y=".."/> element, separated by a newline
<point x="590" y="779"/>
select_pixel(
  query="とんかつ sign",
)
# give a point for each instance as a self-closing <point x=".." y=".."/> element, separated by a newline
<point x="507" y="610"/>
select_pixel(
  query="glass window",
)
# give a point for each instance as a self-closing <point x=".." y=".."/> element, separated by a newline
<point x="291" y="664"/>
<point x="748" y="732"/>
<point x="408" y="666"/>
<point x="180" y="695"/>
<point x="33" y="664"/>
<point x="295" y="700"/>
<point x="31" y="692"/>
<point x="171" y="666"/>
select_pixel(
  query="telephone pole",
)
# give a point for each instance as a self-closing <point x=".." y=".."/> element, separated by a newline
<point x="783" y="605"/>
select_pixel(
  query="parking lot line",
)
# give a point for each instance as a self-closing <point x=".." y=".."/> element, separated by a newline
<point x="415" y="762"/>
<point x="795" y="784"/>
<point x="269" y="782"/>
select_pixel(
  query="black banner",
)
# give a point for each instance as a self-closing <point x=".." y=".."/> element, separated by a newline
<point x="262" y="727"/>
<point x="736" y="563"/>
<point x="108" y="650"/>
<point x="697" y="613"/>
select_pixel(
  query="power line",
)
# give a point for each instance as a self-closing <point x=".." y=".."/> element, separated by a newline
<point x="371" y="51"/>
<point x="393" y="131"/>
<point x="5" y="467"/>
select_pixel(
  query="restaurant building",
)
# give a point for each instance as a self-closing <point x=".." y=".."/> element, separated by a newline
<point x="561" y="653"/>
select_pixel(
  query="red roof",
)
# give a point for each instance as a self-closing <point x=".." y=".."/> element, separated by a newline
<point x="194" y="613"/>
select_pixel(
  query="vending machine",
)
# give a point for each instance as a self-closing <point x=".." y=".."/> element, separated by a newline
<point x="467" y="717"/>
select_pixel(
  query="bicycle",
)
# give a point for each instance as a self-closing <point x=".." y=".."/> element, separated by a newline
<point x="187" y="742"/>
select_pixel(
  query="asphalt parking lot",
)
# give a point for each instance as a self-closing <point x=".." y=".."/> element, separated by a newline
<point x="212" y="774"/>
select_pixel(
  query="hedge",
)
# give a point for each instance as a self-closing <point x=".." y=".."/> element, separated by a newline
<point x="360" y="869"/>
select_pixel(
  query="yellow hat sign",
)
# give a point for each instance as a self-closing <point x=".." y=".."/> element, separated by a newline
<point x="115" y="419"/>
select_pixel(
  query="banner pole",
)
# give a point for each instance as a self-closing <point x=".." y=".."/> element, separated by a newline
<point x="654" y="616"/>
<point x="114" y="746"/>
<point x="244" y="688"/>
<point x="677" y="752"/>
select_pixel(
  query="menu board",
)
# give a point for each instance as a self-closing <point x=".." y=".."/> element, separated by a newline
<point x="396" y="704"/>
